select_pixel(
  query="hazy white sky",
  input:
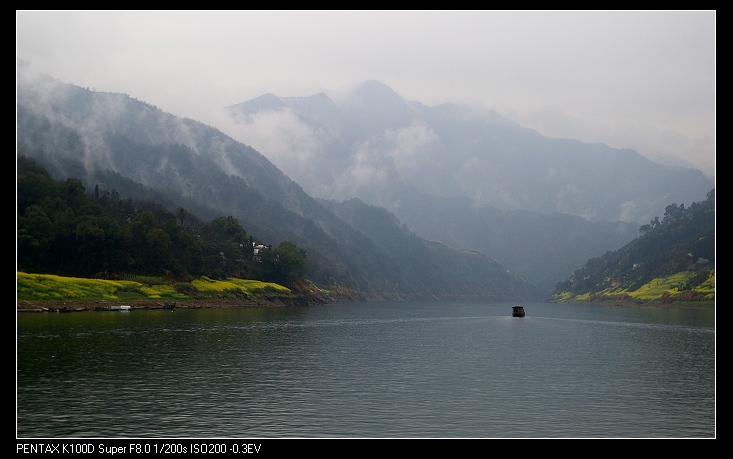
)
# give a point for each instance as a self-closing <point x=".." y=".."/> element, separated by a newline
<point x="630" y="79"/>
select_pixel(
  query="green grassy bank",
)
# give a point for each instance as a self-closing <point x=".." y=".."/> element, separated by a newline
<point x="673" y="289"/>
<point x="47" y="289"/>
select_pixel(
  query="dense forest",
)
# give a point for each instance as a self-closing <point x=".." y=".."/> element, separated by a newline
<point x="64" y="229"/>
<point x="682" y="242"/>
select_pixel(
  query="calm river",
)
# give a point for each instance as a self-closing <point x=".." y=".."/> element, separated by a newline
<point x="368" y="370"/>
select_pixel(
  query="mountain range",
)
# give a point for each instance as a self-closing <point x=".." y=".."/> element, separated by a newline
<point x="376" y="146"/>
<point x="471" y="179"/>
<point x="116" y="142"/>
<point x="387" y="196"/>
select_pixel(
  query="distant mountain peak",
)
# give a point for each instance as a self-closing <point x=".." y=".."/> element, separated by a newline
<point x="264" y="102"/>
<point x="373" y="86"/>
<point x="376" y="94"/>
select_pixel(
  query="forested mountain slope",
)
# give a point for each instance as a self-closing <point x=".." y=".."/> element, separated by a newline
<point x="440" y="269"/>
<point x="122" y="144"/>
<point x="468" y="178"/>
<point x="673" y="260"/>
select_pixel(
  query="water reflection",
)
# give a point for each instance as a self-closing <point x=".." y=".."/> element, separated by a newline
<point x="369" y="370"/>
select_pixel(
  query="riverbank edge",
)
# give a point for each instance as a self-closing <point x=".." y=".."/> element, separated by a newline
<point x="208" y="303"/>
<point x="643" y="304"/>
<point x="280" y="301"/>
<point x="341" y="296"/>
<point x="71" y="306"/>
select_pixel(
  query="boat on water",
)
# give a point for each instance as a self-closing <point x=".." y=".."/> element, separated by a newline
<point x="517" y="311"/>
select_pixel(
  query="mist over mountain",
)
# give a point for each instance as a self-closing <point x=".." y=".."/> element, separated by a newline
<point x="122" y="143"/>
<point x="471" y="179"/>
<point x="383" y="143"/>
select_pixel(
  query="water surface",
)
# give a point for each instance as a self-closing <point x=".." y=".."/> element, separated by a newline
<point x="368" y="370"/>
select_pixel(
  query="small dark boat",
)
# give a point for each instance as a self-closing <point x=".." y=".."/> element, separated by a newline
<point x="517" y="311"/>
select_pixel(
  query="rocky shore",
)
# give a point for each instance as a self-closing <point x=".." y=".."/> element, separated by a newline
<point x="303" y="299"/>
<point x="73" y="306"/>
<point x="650" y="304"/>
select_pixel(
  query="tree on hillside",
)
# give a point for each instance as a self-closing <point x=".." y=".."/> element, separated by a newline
<point x="229" y="252"/>
<point x="284" y="265"/>
<point x="63" y="230"/>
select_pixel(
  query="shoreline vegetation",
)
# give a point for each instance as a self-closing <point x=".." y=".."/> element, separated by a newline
<point x="51" y="293"/>
<point x="685" y="289"/>
<point x="46" y="292"/>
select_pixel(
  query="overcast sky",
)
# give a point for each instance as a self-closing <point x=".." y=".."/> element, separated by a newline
<point x="630" y="79"/>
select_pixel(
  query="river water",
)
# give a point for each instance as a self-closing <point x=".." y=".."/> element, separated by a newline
<point x="368" y="370"/>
